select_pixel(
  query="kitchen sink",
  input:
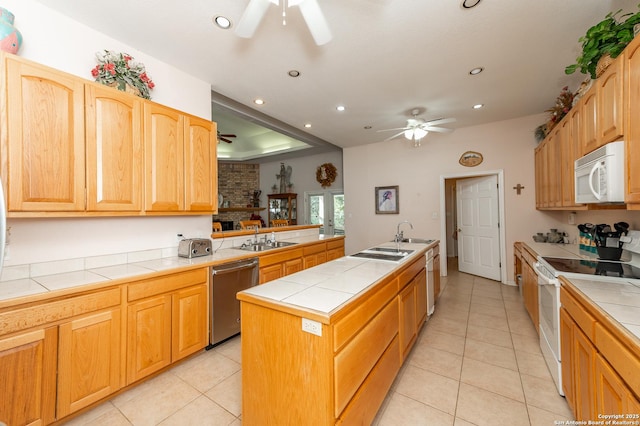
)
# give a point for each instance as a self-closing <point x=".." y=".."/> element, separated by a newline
<point x="397" y="257"/>
<point x="390" y="250"/>
<point x="265" y="246"/>
<point x="416" y="241"/>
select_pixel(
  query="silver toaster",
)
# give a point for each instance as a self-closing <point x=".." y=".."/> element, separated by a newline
<point x="194" y="247"/>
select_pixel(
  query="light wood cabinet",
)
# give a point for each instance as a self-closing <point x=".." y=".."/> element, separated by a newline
<point x="588" y="121"/>
<point x="613" y="396"/>
<point x="345" y="372"/>
<point x="566" y="355"/>
<point x="436" y="273"/>
<point x="167" y="320"/>
<point x="632" y="133"/>
<point x="421" y="299"/>
<point x="45" y="138"/>
<point x="584" y="358"/>
<point x="28" y="371"/>
<point x="88" y="360"/>
<point x="164" y="158"/>
<point x="610" y="103"/>
<point x="569" y="137"/>
<point x="201" y="165"/>
<point x="114" y="150"/>
<point x="530" y="288"/>
<point x="335" y="249"/>
<point x="314" y="255"/>
<point x="283" y="206"/>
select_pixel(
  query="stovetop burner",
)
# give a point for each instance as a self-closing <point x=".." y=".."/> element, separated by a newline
<point x="606" y="268"/>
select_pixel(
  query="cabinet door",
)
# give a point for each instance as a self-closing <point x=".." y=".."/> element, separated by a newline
<point x="610" y="110"/>
<point x="190" y="321"/>
<point x="292" y="266"/>
<point x="421" y="298"/>
<point x="566" y="354"/>
<point x="584" y="355"/>
<point x="407" y="312"/>
<point x="114" y="150"/>
<point x="28" y="371"/>
<point x="530" y="294"/>
<point x="539" y="173"/>
<point x="436" y="276"/>
<point x="569" y="153"/>
<point x="554" y="172"/>
<point x="201" y="165"/>
<point x="588" y="120"/>
<point x="611" y="392"/>
<point x="148" y="337"/>
<point x="88" y="360"/>
<point x="270" y="273"/>
<point x="632" y="136"/>
<point x="45" y="122"/>
<point x="164" y="158"/>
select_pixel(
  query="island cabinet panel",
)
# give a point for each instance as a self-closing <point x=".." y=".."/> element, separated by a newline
<point x="201" y="165"/>
<point x="114" y="150"/>
<point x="164" y="158"/>
<point x="28" y="371"/>
<point x="45" y="138"/>
<point x="287" y="374"/>
<point x="89" y="360"/>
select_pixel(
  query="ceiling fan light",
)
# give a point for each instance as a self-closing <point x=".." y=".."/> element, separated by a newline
<point x="408" y="134"/>
<point x="419" y="133"/>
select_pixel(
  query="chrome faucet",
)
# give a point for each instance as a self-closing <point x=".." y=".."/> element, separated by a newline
<point x="255" y="238"/>
<point x="399" y="233"/>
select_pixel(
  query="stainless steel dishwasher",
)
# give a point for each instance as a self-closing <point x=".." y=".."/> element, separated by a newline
<point x="226" y="281"/>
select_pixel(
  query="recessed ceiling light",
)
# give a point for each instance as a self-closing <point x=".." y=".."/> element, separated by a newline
<point x="340" y="108"/>
<point x="476" y="71"/>
<point x="294" y="73"/>
<point x="478" y="106"/>
<point x="258" y="101"/>
<point x="222" y="22"/>
<point x="468" y="4"/>
<point x="368" y="127"/>
<point x="308" y="125"/>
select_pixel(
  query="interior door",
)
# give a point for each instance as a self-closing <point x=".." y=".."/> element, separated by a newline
<point x="326" y="208"/>
<point x="478" y="226"/>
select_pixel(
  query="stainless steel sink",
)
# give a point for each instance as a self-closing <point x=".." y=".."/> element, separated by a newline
<point x="265" y="246"/>
<point x="416" y="240"/>
<point x="380" y="256"/>
<point x="391" y="250"/>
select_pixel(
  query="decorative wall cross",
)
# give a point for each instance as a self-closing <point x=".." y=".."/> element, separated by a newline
<point x="518" y="189"/>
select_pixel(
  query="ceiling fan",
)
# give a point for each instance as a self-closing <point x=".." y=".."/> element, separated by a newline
<point x="223" y="137"/>
<point x="310" y="10"/>
<point x="417" y="128"/>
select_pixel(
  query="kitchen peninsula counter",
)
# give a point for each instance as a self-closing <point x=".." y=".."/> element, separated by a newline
<point x="324" y="345"/>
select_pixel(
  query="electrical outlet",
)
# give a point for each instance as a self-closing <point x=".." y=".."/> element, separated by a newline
<point x="310" y="326"/>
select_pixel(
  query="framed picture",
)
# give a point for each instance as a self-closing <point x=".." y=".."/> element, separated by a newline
<point x="387" y="201"/>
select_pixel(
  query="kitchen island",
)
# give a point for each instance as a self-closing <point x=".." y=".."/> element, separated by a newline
<point x="324" y="345"/>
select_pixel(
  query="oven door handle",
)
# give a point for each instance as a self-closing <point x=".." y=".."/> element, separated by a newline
<point x="543" y="279"/>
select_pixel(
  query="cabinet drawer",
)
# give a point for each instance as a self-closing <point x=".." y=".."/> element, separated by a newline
<point x="374" y="389"/>
<point x="407" y="275"/>
<point x="336" y="243"/>
<point x="355" y="361"/>
<point x="623" y="361"/>
<point x="167" y="283"/>
<point x="49" y="312"/>
<point x="313" y="249"/>
<point x="281" y="256"/>
<point x="584" y="320"/>
<point x="360" y="316"/>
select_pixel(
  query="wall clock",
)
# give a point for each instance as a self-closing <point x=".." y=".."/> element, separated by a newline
<point x="470" y="159"/>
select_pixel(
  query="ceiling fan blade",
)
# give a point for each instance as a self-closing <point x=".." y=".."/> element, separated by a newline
<point x="394" y="136"/>
<point x="437" y="129"/>
<point x="396" y="128"/>
<point x="315" y="21"/>
<point x="439" y="121"/>
<point x="228" y="135"/>
<point x="251" y="18"/>
<point x="225" y="140"/>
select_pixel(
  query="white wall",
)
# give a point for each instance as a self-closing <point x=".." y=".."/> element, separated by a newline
<point x="303" y="177"/>
<point x="57" y="41"/>
<point x="506" y="145"/>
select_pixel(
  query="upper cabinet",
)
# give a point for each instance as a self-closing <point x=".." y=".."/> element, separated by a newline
<point x="632" y="132"/>
<point x="610" y="99"/>
<point x="73" y="147"/>
<point x="44" y="143"/>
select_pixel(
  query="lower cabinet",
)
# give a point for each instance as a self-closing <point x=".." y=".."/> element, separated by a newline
<point x="436" y="272"/>
<point x="407" y="310"/>
<point x="530" y="289"/>
<point x="335" y="249"/>
<point x="168" y="326"/>
<point x="28" y="371"/>
<point x="592" y="385"/>
<point x="88" y="360"/>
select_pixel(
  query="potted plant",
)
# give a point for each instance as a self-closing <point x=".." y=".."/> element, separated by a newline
<point x="608" y="37"/>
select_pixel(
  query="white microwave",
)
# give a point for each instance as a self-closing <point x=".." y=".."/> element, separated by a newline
<point x="600" y="175"/>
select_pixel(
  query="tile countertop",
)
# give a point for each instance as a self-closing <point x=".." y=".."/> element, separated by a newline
<point x="620" y="301"/>
<point x="45" y="284"/>
<point x="326" y="287"/>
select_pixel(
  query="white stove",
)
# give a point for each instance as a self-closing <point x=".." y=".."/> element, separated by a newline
<point x="587" y="267"/>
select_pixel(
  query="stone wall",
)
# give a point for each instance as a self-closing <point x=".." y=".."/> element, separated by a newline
<point x="236" y="184"/>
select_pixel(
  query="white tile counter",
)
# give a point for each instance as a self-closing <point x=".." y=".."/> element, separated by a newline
<point x="39" y="279"/>
<point x="324" y="288"/>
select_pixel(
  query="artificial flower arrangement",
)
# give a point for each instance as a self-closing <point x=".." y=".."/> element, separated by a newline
<point x="564" y="102"/>
<point x="119" y="70"/>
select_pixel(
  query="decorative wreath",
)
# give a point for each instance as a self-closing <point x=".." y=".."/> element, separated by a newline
<point x="326" y="174"/>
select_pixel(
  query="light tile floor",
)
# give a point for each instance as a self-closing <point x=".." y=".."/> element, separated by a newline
<point x="476" y="362"/>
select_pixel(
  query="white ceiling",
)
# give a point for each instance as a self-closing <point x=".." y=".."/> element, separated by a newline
<point x="386" y="57"/>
